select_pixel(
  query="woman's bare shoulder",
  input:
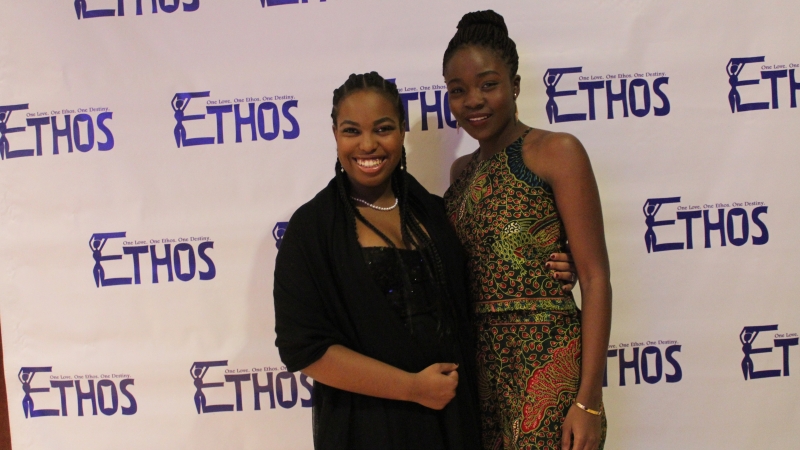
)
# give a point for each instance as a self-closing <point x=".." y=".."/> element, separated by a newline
<point x="551" y="144"/>
<point x="548" y="153"/>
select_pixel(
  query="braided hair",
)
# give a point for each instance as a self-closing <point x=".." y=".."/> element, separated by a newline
<point x="484" y="29"/>
<point x="413" y="235"/>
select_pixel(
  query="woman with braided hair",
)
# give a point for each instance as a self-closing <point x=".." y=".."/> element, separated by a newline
<point x="370" y="295"/>
<point x="514" y="202"/>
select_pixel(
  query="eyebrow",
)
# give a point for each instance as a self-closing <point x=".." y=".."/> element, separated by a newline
<point x="377" y="122"/>
<point x="383" y="119"/>
<point x="480" y="75"/>
<point x="488" y="72"/>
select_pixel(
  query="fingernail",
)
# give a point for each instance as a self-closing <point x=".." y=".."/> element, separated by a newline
<point x="547" y="265"/>
<point x="553" y="256"/>
<point x="555" y="275"/>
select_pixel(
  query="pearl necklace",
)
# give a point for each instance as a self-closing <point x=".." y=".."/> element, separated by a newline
<point x="378" y="208"/>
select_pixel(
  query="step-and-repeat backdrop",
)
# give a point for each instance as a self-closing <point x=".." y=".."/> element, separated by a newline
<point x="153" y="150"/>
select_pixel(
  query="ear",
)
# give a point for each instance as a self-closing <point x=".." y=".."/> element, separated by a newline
<point x="515" y="83"/>
<point x="333" y="128"/>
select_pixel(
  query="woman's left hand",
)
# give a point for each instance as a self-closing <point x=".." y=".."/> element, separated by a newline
<point x="580" y="431"/>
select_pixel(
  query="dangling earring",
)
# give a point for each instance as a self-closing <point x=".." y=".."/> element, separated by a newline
<point x="458" y="127"/>
<point x="516" y="108"/>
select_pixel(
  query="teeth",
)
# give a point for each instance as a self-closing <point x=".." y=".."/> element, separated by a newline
<point x="475" y="119"/>
<point x="369" y="163"/>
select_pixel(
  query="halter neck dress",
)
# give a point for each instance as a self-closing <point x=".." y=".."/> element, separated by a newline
<point x="528" y="328"/>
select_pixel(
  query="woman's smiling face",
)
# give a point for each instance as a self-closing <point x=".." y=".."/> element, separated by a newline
<point x="369" y="140"/>
<point x="481" y="91"/>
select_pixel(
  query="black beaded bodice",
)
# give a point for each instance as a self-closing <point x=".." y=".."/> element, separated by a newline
<point x="417" y="308"/>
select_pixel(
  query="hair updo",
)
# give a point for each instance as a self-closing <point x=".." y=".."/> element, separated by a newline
<point x="484" y="29"/>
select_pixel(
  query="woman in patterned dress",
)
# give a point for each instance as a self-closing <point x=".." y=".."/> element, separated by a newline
<point x="513" y="203"/>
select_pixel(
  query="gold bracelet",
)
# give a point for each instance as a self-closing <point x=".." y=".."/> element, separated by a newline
<point x="590" y="411"/>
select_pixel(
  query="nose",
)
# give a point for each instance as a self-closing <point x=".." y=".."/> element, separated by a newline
<point x="474" y="99"/>
<point x="367" y="143"/>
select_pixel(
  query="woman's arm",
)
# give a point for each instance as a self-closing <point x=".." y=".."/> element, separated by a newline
<point x="345" y="369"/>
<point x="562" y="161"/>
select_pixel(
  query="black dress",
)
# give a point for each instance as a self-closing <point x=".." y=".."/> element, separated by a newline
<point x="415" y="307"/>
<point x="328" y="290"/>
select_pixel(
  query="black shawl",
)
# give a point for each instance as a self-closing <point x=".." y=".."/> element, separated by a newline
<point x="324" y="295"/>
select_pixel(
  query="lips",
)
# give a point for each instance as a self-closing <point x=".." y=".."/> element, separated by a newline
<point x="477" y="119"/>
<point x="369" y="164"/>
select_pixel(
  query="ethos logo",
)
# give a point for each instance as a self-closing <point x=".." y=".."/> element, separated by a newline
<point x="280" y="386"/>
<point x="646" y="360"/>
<point x="102" y="391"/>
<point x="631" y="91"/>
<point x="771" y="72"/>
<point x="176" y="257"/>
<point x="77" y="128"/>
<point x="748" y="337"/>
<point x="731" y="220"/>
<point x="433" y="99"/>
<point x="168" y="6"/>
<point x="278" y="232"/>
<point x="269" y="115"/>
<point x="265" y="3"/>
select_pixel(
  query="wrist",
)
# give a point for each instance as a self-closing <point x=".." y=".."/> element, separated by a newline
<point x="594" y="412"/>
<point x="410" y="390"/>
<point x="590" y="400"/>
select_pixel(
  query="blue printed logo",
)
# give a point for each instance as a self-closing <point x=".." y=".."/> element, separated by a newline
<point x="168" y="6"/>
<point x="781" y="340"/>
<point x="630" y="90"/>
<point x="646" y="362"/>
<point x="732" y="222"/>
<point x="280" y="386"/>
<point x="771" y="72"/>
<point x="278" y="232"/>
<point x="262" y="114"/>
<point x="103" y="395"/>
<point x="265" y="3"/>
<point x="179" y="261"/>
<point x="78" y="130"/>
<point x="433" y="99"/>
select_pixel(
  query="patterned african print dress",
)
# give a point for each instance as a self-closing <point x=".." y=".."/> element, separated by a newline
<point x="528" y="328"/>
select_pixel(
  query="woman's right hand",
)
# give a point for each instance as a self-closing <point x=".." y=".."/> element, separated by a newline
<point x="563" y="269"/>
<point x="435" y="386"/>
<point x="351" y="371"/>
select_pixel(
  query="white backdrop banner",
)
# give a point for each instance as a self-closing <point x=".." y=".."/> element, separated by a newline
<point x="152" y="152"/>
